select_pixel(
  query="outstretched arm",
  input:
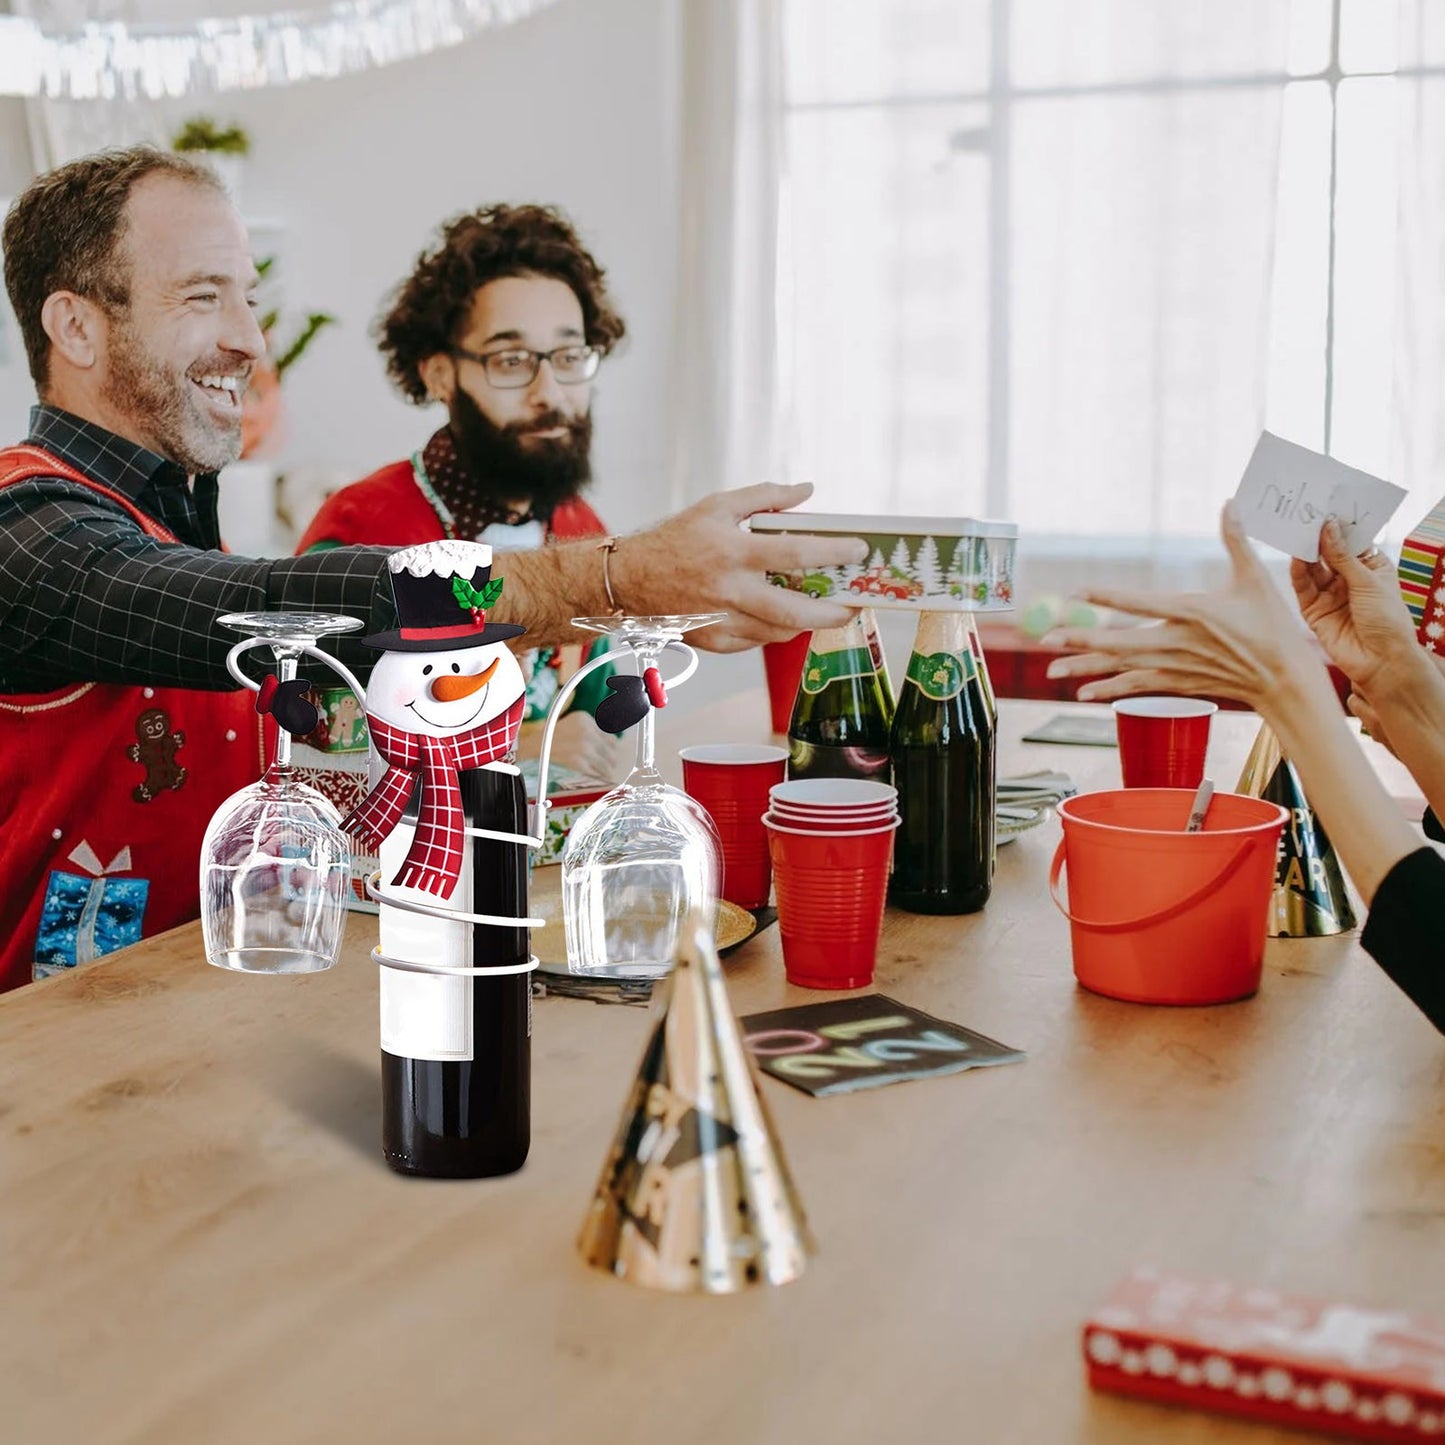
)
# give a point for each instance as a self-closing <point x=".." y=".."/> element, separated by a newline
<point x="1354" y="606"/>
<point x="1244" y="643"/>
<point x="701" y="560"/>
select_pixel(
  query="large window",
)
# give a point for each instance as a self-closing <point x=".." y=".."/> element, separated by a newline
<point x="1060" y="260"/>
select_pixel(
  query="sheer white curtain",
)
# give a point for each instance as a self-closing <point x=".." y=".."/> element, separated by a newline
<point x="1417" y="410"/>
<point x="724" y="366"/>
<point x="1026" y="259"/>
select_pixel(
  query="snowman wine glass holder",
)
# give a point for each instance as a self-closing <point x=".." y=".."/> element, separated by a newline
<point x="445" y="696"/>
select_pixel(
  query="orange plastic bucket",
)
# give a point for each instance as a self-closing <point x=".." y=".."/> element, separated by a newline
<point x="1158" y="915"/>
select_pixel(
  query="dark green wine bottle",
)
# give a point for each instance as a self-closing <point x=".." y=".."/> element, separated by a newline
<point x="944" y="769"/>
<point x="840" y="719"/>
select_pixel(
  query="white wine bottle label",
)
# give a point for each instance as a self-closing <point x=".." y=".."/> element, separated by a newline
<point x="941" y="675"/>
<point x="424" y="1015"/>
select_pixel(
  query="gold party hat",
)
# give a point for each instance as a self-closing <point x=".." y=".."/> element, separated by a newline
<point x="695" y="1194"/>
<point x="1310" y="897"/>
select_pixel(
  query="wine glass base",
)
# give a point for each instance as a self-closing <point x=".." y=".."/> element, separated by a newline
<point x="632" y="972"/>
<point x="270" y="960"/>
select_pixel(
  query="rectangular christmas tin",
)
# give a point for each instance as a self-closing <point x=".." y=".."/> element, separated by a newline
<point x="1304" y="1364"/>
<point x="943" y="564"/>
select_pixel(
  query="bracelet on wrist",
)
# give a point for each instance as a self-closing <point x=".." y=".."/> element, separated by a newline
<point x="607" y="547"/>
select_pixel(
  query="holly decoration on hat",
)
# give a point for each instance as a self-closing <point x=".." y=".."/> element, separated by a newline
<point x="474" y="600"/>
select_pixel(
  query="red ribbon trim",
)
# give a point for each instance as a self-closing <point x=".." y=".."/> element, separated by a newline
<point x="425" y="634"/>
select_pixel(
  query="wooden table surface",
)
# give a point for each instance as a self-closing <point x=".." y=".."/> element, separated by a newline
<point x="200" y="1244"/>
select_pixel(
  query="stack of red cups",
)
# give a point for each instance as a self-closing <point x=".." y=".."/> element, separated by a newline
<point x="831" y="841"/>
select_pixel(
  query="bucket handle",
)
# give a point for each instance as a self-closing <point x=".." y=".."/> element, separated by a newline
<point x="1057" y="867"/>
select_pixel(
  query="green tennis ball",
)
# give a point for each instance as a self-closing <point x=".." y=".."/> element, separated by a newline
<point x="1040" y="616"/>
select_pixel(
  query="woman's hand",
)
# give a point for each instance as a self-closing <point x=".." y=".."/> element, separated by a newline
<point x="1353" y="605"/>
<point x="1242" y="642"/>
<point x="1371" y="722"/>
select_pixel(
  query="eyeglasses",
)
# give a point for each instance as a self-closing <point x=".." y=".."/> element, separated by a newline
<point x="518" y="367"/>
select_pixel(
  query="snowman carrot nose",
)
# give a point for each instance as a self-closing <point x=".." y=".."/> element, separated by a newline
<point x="448" y="688"/>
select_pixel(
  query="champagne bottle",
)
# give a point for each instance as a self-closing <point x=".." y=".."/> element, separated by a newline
<point x="464" y="1112"/>
<point x="944" y="769"/>
<point x="840" y="719"/>
<point x="869" y="619"/>
<point x="976" y="642"/>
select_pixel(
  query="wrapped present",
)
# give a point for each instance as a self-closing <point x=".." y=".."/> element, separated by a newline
<point x="570" y="794"/>
<point x="1422" y="578"/>
<point x="1305" y="1364"/>
<point x="85" y="916"/>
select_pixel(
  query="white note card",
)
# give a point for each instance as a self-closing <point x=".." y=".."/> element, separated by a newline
<point x="1288" y="493"/>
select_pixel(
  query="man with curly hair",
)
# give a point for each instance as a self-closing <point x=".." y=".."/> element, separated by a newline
<point x="505" y="321"/>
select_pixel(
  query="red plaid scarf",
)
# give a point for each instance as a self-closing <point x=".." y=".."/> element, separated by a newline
<point x="434" y="861"/>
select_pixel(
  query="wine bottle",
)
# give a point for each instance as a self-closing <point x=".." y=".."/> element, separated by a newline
<point x="944" y="769"/>
<point x="456" y="1062"/>
<point x="840" y="719"/>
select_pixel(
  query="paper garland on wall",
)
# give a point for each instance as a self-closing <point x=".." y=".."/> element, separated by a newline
<point x="114" y="61"/>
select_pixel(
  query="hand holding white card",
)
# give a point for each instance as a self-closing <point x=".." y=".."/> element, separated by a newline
<point x="1288" y="492"/>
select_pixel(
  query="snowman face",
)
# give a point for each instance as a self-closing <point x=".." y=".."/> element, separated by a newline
<point x="438" y="693"/>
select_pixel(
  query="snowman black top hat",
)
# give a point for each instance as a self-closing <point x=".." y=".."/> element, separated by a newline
<point x="442" y="592"/>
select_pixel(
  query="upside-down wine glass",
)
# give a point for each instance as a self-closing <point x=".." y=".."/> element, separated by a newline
<point x="275" y="865"/>
<point x="643" y="857"/>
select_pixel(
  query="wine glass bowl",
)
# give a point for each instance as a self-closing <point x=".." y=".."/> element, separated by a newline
<point x="274" y="878"/>
<point x="645" y="855"/>
<point x="275" y="865"/>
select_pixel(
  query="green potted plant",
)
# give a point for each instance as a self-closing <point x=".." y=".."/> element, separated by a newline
<point x="262" y="408"/>
<point x="223" y="148"/>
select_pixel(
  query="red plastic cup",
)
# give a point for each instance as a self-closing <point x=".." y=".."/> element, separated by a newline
<point x="831" y="889"/>
<point x="830" y="822"/>
<point x="731" y="780"/>
<point x="783" y="662"/>
<point x="1162" y="740"/>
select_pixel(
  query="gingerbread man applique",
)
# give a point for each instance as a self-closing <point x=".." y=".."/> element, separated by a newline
<point x="345" y="714"/>
<point x="155" y="750"/>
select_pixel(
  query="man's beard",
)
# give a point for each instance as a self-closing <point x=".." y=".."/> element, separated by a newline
<point x="544" y="472"/>
<point x="163" y="406"/>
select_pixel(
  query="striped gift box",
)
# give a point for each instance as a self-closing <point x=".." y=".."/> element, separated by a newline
<point x="1422" y="579"/>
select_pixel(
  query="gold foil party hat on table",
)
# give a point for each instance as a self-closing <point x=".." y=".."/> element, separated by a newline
<point x="695" y="1194"/>
<point x="1310" y="897"/>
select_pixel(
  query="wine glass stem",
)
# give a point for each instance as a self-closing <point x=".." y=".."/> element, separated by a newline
<point x="285" y="672"/>
<point x="646" y="736"/>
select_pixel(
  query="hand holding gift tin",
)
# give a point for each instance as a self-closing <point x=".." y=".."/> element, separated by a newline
<point x="914" y="563"/>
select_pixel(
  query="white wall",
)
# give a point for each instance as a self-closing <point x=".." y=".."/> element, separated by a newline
<point x="576" y="106"/>
<point x="15" y="391"/>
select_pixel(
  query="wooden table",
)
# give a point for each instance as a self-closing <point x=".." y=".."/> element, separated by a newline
<point x="200" y="1244"/>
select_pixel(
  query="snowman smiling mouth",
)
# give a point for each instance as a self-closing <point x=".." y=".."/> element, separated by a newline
<point x="449" y="689"/>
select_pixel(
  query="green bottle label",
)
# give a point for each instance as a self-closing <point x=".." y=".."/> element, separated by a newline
<point x="822" y="668"/>
<point x="941" y="675"/>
